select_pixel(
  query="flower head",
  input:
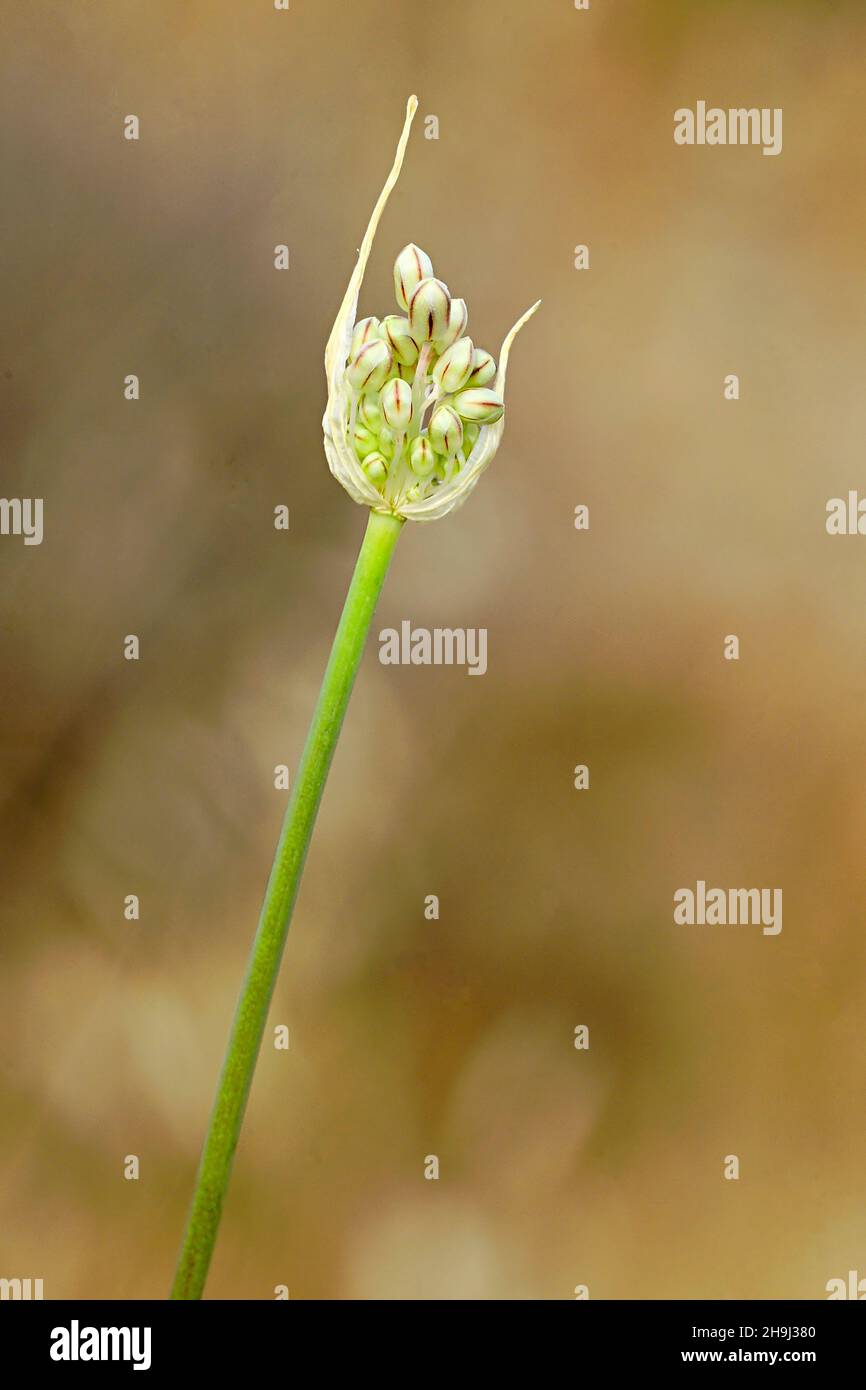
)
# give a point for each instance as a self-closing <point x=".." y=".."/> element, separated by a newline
<point x="415" y="410"/>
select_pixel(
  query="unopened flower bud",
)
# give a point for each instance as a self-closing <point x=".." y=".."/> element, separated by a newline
<point x="364" y="440"/>
<point x="397" y="404"/>
<point x="483" y="368"/>
<point x="411" y="267"/>
<point x="453" y="367"/>
<point x="428" y="310"/>
<point x="458" y="318"/>
<point x="446" y="430"/>
<point x="370" y="368"/>
<point x="395" y="331"/>
<point x="480" y="404"/>
<point x="471" y="432"/>
<point x="376" y="469"/>
<point x="446" y="468"/>
<point x="422" y="457"/>
<point x="370" y="411"/>
<point x="387" y="443"/>
<point x="364" y="331"/>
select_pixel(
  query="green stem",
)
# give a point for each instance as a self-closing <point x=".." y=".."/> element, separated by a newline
<point x="282" y="890"/>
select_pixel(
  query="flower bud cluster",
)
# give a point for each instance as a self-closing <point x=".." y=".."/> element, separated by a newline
<point x="420" y="390"/>
<point x="415" y="410"/>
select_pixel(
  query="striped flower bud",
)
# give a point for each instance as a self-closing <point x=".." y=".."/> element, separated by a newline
<point x="375" y="468"/>
<point x="422" y="457"/>
<point x="479" y="403"/>
<point x="387" y="443"/>
<point x="395" y="332"/>
<point x="446" y="468"/>
<point x="428" y="310"/>
<point x="370" y="411"/>
<point x="397" y="404"/>
<point x="364" y="331"/>
<point x="453" y="367"/>
<point x="471" y="432"/>
<point x="364" y="440"/>
<point x="458" y="318"/>
<point x="483" y="368"/>
<point x="446" y="430"/>
<point x="411" y="267"/>
<point x="369" y="370"/>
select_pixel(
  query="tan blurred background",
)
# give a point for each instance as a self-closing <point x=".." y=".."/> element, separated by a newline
<point x="454" y="1037"/>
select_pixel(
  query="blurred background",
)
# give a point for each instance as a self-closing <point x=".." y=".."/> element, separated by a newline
<point x="454" y="1037"/>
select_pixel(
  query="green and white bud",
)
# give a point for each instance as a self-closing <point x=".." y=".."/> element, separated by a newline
<point x="451" y="372"/>
<point x="397" y="404"/>
<point x="370" y="411"/>
<point x="364" y="331"/>
<point x="446" y="430"/>
<point x="428" y="310"/>
<point x="370" y="369"/>
<point x="483" y="368"/>
<point x="446" y="468"/>
<point x="364" y="440"/>
<point x="395" y="332"/>
<point x="471" y="432"/>
<point x="411" y="267"/>
<point x="422" y="457"/>
<point x="376" y="469"/>
<point x="387" y="442"/>
<point x="479" y="403"/>
<point x="458" y="318"/>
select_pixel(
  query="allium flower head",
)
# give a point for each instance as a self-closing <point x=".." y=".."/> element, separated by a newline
<point x="415" y="409"/>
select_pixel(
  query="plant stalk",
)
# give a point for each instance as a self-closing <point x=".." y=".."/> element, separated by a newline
<point x="267" y="949"/>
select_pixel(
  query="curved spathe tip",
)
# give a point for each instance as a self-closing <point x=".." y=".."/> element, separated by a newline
<point x="506" y="345"/>
<point x="455" y="493"/>
<point x="339" y="453"/>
